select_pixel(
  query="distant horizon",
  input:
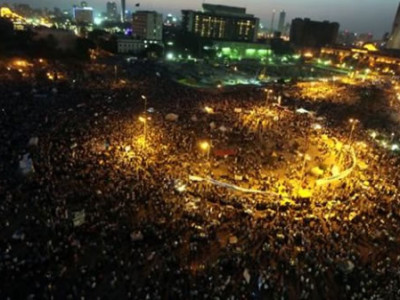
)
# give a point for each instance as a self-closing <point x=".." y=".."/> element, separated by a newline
<point x="368" y="17"/>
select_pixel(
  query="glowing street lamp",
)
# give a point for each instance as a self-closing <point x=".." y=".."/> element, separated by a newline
<point x="145" y="102"/>
<point x="144" y="121"/>
<point x="205" y="146"/>
<point x="353" y="123"/>
<point x="303" y="168"/>
<point x="267" y="92"/>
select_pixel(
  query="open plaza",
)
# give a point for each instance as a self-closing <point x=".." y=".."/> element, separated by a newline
<point x="122" y="183"/>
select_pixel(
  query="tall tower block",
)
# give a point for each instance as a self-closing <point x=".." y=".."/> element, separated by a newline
<point x="123" y="9"/>
<point x="394" y="39"/>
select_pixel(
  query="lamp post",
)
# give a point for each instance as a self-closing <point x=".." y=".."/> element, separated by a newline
<point x="205" y="146"/>
<point x="353" y="123"/>
<point x="267" y="92"/>
<point x="144" y="120"/>
<point x="303" y="168"/>
<point x="145" y="103"/>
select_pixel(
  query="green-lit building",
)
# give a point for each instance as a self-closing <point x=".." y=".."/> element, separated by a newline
<point x="220" y="22"/>
<point x="238" y="50"/>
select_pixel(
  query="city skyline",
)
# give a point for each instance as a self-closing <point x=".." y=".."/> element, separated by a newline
<point x="373" y="17"/>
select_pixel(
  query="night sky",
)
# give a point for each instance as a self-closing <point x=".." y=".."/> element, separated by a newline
<point x="375" y="16"/>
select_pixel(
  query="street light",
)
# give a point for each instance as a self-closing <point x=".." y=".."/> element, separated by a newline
<point x="306" y="157"/>
<point x="353" y="123"/>
<point x="205" y="146"/>
<point x="267" y="91"/>
<point x="144" y="121"/>
<point x="145" y="102"/>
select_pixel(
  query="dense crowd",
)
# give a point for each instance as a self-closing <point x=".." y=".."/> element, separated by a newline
<point x="101" y="214"/>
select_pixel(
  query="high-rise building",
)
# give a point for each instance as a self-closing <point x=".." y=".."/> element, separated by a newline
<point x="123" y="9"/>
<point x="170" y="20"/>
<point x="281" y="23"/>
<point x="147" y="25"/>
<point x="83" y="15"/>
<point x="394" y="39"/>
<point x="308" y="33"/>
<point x="112" y="12"/>
<point x="271" y="29"/>
<point x="220" y="22"/>
<point x="347" y="38"/>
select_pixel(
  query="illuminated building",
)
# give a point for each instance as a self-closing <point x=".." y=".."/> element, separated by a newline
<point x="112" y="12"/>
<point x="19" y="22"/>
<point x="129" y="46"/>
<point x="308" y="33"/>
<point x="281" y="23"/>
<point x="83" y="15"/>
<point x="219" y="22"/>
<point x="147" y="25"/>
<point x="368" y="55"/>
<point x="241" y="50"/>
<point x="170" y="20"/>
<point x="394" y="40"/>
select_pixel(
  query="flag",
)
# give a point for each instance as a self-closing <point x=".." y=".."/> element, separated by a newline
<point x="224" y="152"/>
<point x="137" y="4"/>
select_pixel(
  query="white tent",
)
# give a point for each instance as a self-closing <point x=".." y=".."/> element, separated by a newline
<point x="302" y="111"/>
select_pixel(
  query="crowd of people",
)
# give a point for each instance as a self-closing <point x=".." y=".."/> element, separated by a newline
<point x="108" y="209"/>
